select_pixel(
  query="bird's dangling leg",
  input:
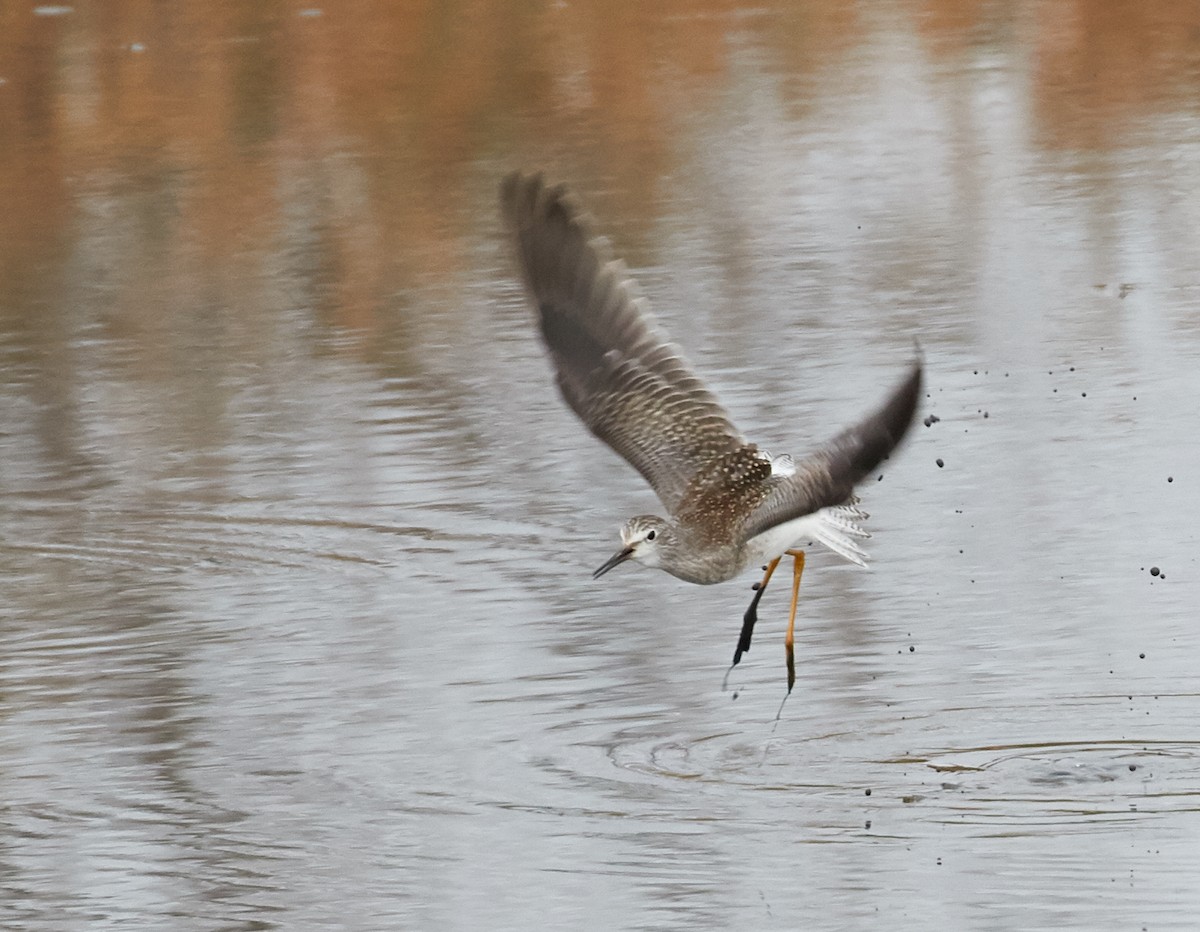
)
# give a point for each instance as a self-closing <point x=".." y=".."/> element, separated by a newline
<point x="750" y="618"/>
<point x="789" y="642"/>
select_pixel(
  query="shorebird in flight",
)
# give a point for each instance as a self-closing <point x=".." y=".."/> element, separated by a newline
<point x="728" y="504"/>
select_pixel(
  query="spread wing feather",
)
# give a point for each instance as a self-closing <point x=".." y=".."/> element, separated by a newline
<point x="614" y="366"/>
<point x="827" y="477"/>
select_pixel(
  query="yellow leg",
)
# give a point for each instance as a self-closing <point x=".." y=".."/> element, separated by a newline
<point x="789" y="642"/>
<point x="769" y="570"/>
<point x="751" y="616"/>
<point x="749" y="620"/>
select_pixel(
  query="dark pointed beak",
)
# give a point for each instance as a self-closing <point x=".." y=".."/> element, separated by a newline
<point x="619" y="557"/>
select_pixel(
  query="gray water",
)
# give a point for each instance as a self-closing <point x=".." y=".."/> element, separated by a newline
<point x="296" y="535"/>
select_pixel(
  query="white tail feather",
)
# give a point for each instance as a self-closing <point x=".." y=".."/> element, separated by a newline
<point x="838" y="529"/>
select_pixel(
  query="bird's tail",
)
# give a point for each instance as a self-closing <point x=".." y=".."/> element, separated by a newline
<point x="840" y="529"/>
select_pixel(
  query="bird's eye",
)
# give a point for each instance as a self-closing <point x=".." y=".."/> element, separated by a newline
<point x="650" y="535"/>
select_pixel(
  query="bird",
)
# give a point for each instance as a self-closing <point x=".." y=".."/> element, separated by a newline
<point x="729" y="505"/>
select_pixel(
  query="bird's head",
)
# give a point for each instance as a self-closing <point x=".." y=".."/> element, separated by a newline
<point x="641" y="539"/>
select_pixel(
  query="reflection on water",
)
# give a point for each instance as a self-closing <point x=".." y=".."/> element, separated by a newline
<point x="295" y="534"/>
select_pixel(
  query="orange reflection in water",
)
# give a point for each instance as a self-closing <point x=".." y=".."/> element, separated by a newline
<point x="235" y="144"/>
<point x="1102" y="65"/>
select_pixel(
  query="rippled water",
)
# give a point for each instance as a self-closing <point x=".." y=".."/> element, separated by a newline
<point x="296" y="535"/>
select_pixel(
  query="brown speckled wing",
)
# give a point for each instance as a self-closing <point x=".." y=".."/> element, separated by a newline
<point x="614" y="366"/>
<point x="827" y="477"/>
<point x="723" y="493"/>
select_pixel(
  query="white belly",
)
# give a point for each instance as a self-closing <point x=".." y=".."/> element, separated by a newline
<point x="836" y="528"/>
<point x="795" y="533"/>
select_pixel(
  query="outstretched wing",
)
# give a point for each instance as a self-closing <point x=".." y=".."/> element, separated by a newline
<point x="827" y="477"/>
<point x="614" y="366"/>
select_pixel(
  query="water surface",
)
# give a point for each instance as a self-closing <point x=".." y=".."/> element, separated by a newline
<point x="296" y="535"/>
